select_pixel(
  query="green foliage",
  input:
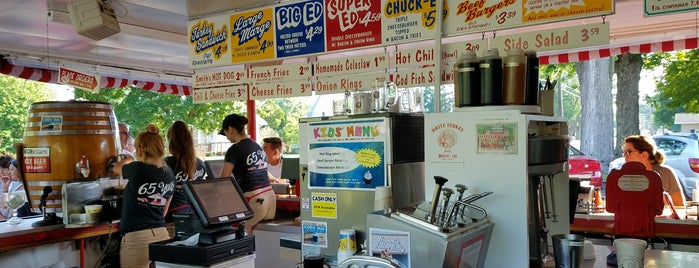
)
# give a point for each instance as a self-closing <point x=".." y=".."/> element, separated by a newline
<point x="282" y="115"/>
<point x="569" y="86"/>
<point x="138" y="108"/>
<point x="16" y="96"/>
<point x="677" y="89"/>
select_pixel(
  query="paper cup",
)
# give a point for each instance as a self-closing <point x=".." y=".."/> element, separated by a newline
<point x="630" y="252"/>
<point x="93" y="209"/>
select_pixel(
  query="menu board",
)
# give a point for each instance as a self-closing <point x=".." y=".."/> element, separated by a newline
<point x="252" y="36"/>
<point x="405" y="21"/>
<point x="467" y="16"/>
<point x="664" y="7"/>
<point x="209" y="42"/>
<point x="300" y="28"/>
<point x="352" y="24"/>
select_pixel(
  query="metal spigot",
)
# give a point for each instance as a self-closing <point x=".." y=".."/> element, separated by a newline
<point x="440" y="181"/>
<point x="460" y="188"/>
<point x="447" y="195"/>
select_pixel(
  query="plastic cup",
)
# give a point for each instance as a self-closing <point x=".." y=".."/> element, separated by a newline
<point x="630" y="252"/>
<point x="568" y="250"/>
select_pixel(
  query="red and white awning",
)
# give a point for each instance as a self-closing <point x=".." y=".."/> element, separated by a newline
<point x="49" y="76"/>
<point x="666" y="46"/>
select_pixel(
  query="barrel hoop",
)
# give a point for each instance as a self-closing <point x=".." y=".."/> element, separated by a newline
<point x="80" y="105"/>
<point x="75" y="123"/>
<point x="69" y="132"/>
<point x="62" y="113"/>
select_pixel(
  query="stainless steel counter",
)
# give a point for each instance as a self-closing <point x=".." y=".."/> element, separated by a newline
<point x="653" y="258"/>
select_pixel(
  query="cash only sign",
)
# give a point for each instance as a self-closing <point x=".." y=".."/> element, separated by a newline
<point x="292" y="49"/>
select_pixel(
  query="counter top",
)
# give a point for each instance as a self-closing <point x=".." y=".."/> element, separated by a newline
<point x="686" y="227"/>
<point x="653" y="258"/>
<point x="23" y="235"/>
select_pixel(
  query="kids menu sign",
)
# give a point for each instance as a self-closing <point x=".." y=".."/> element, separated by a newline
<point x="319" y="26"/>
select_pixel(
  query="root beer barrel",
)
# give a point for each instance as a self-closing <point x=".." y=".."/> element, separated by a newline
<point x="62" y="136"/>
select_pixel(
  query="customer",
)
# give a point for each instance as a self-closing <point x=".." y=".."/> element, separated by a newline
<point x="273" y="147"/>
<point x="126" y="156"/>
<point x="146" y="198"/>
<point x="185" y="164"/>
<point x="642" y="149"/>
<point x="5" y="179"/>
<point x="246" y="161"/>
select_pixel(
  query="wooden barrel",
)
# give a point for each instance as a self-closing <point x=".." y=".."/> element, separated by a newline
<point x="57" y="135"/>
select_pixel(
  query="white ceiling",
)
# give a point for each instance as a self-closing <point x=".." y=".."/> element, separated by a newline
<point x="153" y="37"/>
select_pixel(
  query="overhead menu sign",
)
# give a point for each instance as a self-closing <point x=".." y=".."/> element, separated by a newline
<point x="300" y="28"/>
<point x="555" y="39"/>
<point x="352" y="24"/>
<point x="209" y="42"/>
<point x="468" y="16"/>
<point x="341" y="84"/>
<point x="664" y="7"/>
<point x="77" y="79"/>
<point x="222" y="78"/>
<point x="235" y="93"/>
<point x="405" y="21"/>
<point x="279" y="72"/>
<point x="252" y="36"/>
<point x="280" y="89"/>
<point x="351" y="65"/>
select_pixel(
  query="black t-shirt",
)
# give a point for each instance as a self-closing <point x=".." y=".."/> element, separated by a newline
<point x="180" y="203"/>
<point x="145" y="196"/>
<point x="250" y="164"/>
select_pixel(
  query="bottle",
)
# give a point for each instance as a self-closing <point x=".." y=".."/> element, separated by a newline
<point x="598" y="198"/>
<point x="490" y="68"/>
<point x="467" y="91"/>
<point x="531" y="94"/>
<point x="514" y="76"/>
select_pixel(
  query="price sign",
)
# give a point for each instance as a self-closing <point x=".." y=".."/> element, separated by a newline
<point x="452" y="51"/>
<point x="555" y="39"/>
<point x="279" y="72"/>
<point x="414" y="77"/>
<point x="413" y="57"/>
<point x="281" y="89"/>
<point x="218" y="79"/>
<point x="664" y="7"/>
<point x="351" y="65"/>
<point x="447" y="74"/>
<point x="340" y="84"/>
<point x="235" y="93"/>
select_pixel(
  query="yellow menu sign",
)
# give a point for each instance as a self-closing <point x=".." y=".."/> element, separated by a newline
<point x="252" y="35"/>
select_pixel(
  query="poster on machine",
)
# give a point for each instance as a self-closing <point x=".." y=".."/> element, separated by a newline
<point x="315" y="233"/>
<point x="391" y="245"/>
<point x="348" y="154"/>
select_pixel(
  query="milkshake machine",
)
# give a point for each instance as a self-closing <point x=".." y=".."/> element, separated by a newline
<point x="344" y="159"/>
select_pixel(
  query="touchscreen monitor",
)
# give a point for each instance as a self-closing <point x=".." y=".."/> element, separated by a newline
<point x="218" y="201"/>
<point x="213" y="168"/>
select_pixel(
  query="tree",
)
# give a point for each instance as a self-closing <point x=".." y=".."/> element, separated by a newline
<point x="569" y="88"/>
<point x="628" y="72"/>
<point x="17" y="95"/>
<point x="595" y="79"/>
<point x="677" y="89"/>
<point x="282" y="116"/>
<point x="138" y="108"/>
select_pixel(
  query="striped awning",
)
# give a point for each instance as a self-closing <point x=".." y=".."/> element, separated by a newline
<point x="665" y="46"/>
<point x="49" y="76"/>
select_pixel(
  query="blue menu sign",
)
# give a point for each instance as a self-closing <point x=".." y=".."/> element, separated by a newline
<point x="300" y="28"/>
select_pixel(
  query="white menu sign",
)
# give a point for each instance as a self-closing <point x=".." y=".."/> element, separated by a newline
<point x="451" y="52"/>
<point x="280" y="89"/>
<point x="555" y="39"/>
<point x="217" y="79"/>
<point x="351" y="65"/>
<point x="235" y="93"/>
<point x="414" y="77"/>
<point x="340" y="84"/>
<point x="664" y="7"/>
<point x="413" y="57"/>
<point x="280" y="72"/>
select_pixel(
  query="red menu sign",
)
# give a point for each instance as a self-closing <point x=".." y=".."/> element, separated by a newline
<point x="352" y="24"/>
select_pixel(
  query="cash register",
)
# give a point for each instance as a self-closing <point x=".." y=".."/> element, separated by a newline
<point x="219" y="204"/>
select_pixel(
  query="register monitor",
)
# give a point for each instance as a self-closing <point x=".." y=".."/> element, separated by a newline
<point x="218" y="203"/>
<point x="213" y="168"/>
<point x="290" y="168"/>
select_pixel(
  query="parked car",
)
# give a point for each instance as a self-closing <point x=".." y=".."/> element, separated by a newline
<point x="584" y="167"/>
<point x="681" y="153"/>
